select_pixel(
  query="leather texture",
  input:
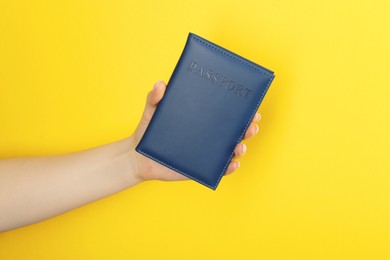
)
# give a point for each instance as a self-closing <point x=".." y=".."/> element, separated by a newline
<point x="210" y="100"/>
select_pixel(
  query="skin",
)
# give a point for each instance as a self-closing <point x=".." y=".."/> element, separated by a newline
<point x="33" y="189"/>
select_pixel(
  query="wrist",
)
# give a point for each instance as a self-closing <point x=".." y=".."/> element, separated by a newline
<point x="136" y="163"/>
<point x="128" y="161"/>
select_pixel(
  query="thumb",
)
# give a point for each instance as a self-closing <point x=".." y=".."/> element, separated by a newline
<point x="153" y="98"/>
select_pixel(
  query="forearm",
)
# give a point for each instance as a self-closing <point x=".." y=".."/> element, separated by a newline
<point x="36" y="188"/>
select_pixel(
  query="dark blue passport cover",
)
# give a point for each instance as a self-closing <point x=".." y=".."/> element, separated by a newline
<point x="210" y="100"/>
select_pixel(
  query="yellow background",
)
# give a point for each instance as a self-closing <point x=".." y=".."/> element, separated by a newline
<point x="314" y="184"/>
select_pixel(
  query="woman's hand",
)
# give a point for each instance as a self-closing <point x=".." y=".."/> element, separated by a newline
<point x="36" y="188"/>
<point x="147" y="169"/>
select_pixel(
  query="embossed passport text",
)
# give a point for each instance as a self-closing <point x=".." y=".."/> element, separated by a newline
<point x="209" y="102"/>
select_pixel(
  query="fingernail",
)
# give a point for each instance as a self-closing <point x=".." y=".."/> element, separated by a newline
<point x="243" y="148"/>
<point x="257" y="129"/>
<point x="257" y="117"/>
<point x="238" y="164"/>
<point x="156" y="85"/>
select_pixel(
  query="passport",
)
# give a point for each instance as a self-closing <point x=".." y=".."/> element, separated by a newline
<point x="210" y="101"/>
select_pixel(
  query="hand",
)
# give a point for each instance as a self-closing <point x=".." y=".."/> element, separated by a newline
<point x="147" y="169"/>
<point x="36" y="188"/>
